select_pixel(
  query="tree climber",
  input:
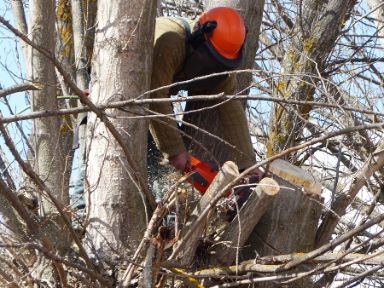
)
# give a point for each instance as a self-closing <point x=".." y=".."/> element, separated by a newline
<point x="215" y="44"/>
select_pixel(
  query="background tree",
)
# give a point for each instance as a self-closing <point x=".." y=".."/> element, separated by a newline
<point x="117" y="200"/>
<point x="49" y="155"/>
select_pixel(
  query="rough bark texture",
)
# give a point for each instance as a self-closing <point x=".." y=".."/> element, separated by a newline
<point x="378" y="7"/>
<point x="237" y="233"/>
<point x="290" y="222"/>
<point x="314" y="36"/>
<point x="229" y="173"/>
<point x="121" y="70"/>
<point x="48" y="133"/>
<point x="50" y="163"/>
<point x="290" y="230"/>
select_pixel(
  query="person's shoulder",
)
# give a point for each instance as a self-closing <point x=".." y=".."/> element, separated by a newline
<point x="175" y="23"/>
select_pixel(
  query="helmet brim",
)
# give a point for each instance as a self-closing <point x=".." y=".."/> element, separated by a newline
<point x="230" y="63"/>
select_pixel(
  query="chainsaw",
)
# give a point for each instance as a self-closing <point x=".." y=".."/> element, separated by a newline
<point x="203" y="175"/>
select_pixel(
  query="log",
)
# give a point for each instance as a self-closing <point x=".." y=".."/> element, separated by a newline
<point x="228" y="173"/>
<point x="296" y="176"/>
<point x="237" y="232"/>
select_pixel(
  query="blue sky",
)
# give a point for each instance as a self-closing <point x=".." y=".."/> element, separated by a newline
<point x="11" y="73"/>
<point x="11" y="63"/>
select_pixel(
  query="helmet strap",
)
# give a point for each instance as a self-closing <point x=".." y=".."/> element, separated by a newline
<point x="201" y="33"/>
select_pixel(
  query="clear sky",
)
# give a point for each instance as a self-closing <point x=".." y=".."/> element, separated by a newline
<point x="11" y="73"/>
<point x="11" y="62"/>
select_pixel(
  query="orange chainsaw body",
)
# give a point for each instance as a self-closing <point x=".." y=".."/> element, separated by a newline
<point x="204" y="173"/>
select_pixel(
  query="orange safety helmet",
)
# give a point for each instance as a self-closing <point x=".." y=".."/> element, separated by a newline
<point x="229" y="34"/>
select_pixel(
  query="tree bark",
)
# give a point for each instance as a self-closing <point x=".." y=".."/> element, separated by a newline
<point x="314" y="36"/>
<point x="21" y="25"/>
<point x="238" y="231"/>
<point x="121" y="70"/>
<point x="49" y="163"/>
<point x="378" y="13"/>
<point x="290" y="222"/>
<point x="82" y="78"/>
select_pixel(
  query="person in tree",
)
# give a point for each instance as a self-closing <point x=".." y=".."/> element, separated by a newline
<point x="183" y="50"/>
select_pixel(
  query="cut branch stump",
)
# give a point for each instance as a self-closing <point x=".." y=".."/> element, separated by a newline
<point x="228" y="173"/>
<point x="237" y="232"/>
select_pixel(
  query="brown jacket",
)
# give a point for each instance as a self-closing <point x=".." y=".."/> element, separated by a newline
<point x="169" y="57"/>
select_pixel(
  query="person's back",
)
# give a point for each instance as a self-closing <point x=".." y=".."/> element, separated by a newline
<point x="213" y="44"/>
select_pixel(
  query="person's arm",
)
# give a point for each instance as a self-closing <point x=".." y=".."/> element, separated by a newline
<point x="168" y="58"/>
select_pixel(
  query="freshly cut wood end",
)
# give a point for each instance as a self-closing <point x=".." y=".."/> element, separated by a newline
<point x="231" y="168"/>
<point x="268" y="186"/>
<point x="296" y="176"/>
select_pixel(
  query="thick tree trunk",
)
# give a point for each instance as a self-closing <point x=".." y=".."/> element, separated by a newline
<point x="49" y="162"/>
<point x="290" y="222"/>
<point x="121" y="70"/>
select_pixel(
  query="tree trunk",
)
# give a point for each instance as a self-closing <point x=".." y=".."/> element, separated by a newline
<point x="378" y="13"/>
<point x="121" y="70"/>
<point x="21" y="25"/>
<point x="82" y="78"/>
<point x="290" y="222"/>
<point x="49" y="162"/>
<point x="314" y="36"/>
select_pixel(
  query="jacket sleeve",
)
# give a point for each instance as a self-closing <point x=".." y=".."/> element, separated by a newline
<point x="235" y="125"/>
<point x="168" y="58"/>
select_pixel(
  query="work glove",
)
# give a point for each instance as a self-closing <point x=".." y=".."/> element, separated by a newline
<point x="181" y="161"/>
